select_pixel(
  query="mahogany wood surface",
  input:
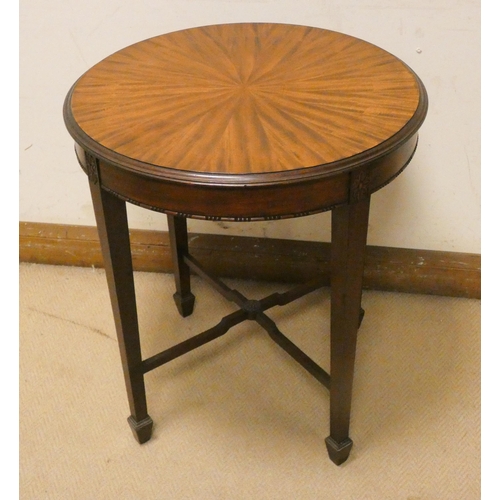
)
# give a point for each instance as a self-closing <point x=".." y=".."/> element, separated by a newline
<point x="246" y="108"/>
<point x="244" y="121"/>
<point x="111" y="216"/>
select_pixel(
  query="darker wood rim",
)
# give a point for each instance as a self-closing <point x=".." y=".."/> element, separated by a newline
<point x="160" y="173"/>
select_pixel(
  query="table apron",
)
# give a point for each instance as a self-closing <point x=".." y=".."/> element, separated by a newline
<point x="245" y="202"/>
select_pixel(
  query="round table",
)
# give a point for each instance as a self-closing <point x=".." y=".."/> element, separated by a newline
<point x="244" y="122"/>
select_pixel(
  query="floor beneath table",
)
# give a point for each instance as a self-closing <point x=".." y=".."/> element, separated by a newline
<point x="238" y="419"/>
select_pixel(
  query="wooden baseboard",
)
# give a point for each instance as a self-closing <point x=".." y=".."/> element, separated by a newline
<point x="390" y="269"/>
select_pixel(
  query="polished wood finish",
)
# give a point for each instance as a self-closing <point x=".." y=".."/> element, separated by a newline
<point x="111" y="216"/>
<point x="250" y="121"/>
<point x="349" y="230"/>
<point x="245" y="99"/>
<point x="178" y="234"/>
<point x="407" y="270"/>
<point x="250" y="309"/>
<point x="245" y="121"/>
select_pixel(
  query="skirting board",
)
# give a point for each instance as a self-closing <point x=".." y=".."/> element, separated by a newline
<point x="390" y="269"/>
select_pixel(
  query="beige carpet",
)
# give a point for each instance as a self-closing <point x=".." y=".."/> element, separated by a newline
<point x="237" y="419"/>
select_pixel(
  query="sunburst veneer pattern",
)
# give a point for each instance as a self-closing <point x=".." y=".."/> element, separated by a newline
<point x="245" y="98"/>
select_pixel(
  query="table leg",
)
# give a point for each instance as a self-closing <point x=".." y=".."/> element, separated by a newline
<point x="112" y="225"/>
<point x="349" y="230"/>
<point x="184" y="299"/>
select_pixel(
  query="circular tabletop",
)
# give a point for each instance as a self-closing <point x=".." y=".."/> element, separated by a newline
<point x="245" y="106"/>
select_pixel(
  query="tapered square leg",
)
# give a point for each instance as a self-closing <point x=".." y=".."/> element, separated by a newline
<point x="184" y="299"/>
<point x="349" y="230"/>
<point x="112" y="225"/>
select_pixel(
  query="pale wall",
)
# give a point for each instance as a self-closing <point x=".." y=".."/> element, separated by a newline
<point x="434" y="205"/>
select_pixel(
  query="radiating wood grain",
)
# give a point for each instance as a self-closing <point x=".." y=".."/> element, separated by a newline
<point x="223" y="104"/>
<point x="245" y="98"/>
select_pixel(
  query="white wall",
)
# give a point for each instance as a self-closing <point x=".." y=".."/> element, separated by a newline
<point x="434" y="205"/>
